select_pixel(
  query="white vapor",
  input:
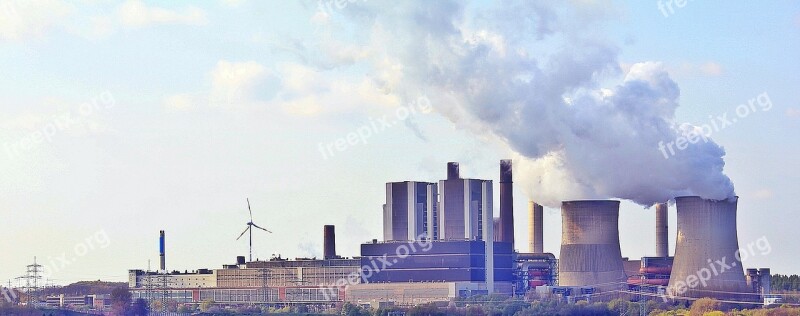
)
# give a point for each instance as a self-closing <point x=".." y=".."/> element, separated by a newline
<point x="526" y="74"/>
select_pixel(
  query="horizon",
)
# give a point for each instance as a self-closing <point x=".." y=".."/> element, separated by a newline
<point x="121" y="119"/>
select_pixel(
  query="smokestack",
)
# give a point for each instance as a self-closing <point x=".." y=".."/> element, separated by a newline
<point x="590" y="253"/>
<point x="452" y="171"/>
<point x="706" y="236"/>
<point x="662" y="244"/>
<point x="329" y="251"/>
<point x="765" y="280"/>
<point x="535" y="227"/>
<point x="506" y="203"/>
<point x="161" y="251"/>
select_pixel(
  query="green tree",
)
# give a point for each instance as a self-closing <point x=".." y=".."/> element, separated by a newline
<point x="704" y="305"/>
<point x="120" y="301"/>
<point x="206" y="305"/>
<point x="139" y="308"/>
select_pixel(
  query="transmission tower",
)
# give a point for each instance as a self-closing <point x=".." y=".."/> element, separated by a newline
<point x="164" y="291"/>
<point x="31" y="279"/>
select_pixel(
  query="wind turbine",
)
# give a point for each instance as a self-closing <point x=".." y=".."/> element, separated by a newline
<point x="250" y="226"/>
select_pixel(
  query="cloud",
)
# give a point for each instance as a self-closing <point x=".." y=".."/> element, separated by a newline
<point x="523" y="73"/>
<point x="232" y="3"/>
<point x="233" y="83"/>
<point x="707" y="69"/>
<point x="134" y="13"/>
<point x="23" y="19"/>
<point x="763" y="194"/>
<point x="179" y="102"/>
<point x="793" y="112"/>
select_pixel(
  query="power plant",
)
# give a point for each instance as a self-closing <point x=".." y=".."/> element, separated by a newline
<point x="441" y="241"/>
<point x="590" y="251"/>
<point x="706" y="247"/>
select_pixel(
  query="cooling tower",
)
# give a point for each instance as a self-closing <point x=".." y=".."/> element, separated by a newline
<point x="705" y="264"/>
<point x="506" y="203"/>
<point x="590" y="253"/>
<point x="535" y="227"/>
<point x="662" y="245"/>
<point x="329" y="245"/>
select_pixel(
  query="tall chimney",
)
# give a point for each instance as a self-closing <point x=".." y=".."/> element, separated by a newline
<point x="161" y="252"/>
<point x="506" y="203"/>
<point x="535" y="227"/>
<point x="662" y="244"/>
<point x="329" y="251"/>
<point x="452" y="171"/>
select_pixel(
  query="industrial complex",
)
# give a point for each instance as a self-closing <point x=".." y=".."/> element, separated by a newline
<point x="441" y="241"/>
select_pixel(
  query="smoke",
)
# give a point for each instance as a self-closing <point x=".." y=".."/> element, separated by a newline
<point x="530" y="76"/>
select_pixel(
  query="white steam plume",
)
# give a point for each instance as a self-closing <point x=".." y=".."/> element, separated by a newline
<point x="528" y="74"/>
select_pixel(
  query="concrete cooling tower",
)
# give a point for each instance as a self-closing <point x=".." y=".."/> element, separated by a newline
<point x="705" y="263"/>
<point x="590" y="252"/>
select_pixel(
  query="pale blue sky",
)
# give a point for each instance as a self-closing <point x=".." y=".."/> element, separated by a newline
<point x="202" y="104"/>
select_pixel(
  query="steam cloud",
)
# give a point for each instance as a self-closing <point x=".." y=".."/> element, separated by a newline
<point x="525" y="74"/>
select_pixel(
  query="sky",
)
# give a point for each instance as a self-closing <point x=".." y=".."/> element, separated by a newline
<point x="120" y="119"/>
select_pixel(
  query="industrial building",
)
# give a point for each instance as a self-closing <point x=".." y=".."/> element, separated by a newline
<point x="97" y="302"/>
<point x="411" y="211"/>
<point x="466" y="207"/>
<point x="441" y="241"/>
<point x="276" y="281"/>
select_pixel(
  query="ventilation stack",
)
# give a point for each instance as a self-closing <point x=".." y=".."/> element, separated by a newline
<point x="765" y="281"/>
<point x="706" y="248"/>
<point x="535" y="228"/>
<point x="161" y="251"/>
<point x="590" y="252"/>
<point x="329" y="246"/>
<point x="452" y="171"/>
<point x="662" y="233"/>
<point x="506" y="203"/>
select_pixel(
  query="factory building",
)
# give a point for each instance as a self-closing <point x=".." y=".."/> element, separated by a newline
<point x="275" y="281"/>
<point x="441" y="241"/>
<point x="410" y="211"/>
<point x="443" y="261"/>
<point x="466" y="256"/>
<point x="466" y="207"/>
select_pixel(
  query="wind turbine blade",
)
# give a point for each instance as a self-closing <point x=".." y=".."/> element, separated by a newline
<point x="262" y="228"/>
<point x="248" y="208"/>
<point x="245" y="230"/>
